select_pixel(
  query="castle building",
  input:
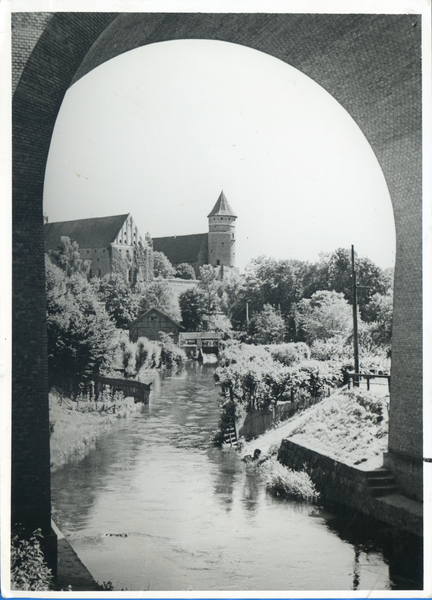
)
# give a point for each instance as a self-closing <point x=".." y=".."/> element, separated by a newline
<point x="110" y="244"/>
<point x="217" y="247"/>
<point x="114" y="244"/>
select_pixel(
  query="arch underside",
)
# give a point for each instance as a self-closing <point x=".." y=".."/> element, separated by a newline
<point x="371" y="64"/>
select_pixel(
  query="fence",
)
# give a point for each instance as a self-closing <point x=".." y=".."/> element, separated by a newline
<point x="357" y="377"/>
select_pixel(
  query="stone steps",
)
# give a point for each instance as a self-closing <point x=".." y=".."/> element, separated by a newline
<point x="381" y="482"/>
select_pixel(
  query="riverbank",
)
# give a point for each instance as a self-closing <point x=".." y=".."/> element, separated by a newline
<point x="74" y="426"/>
<point x="350" y="426"/>
<point x="340" y="444"/>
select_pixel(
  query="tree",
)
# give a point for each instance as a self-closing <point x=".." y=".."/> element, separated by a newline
<point x="326" y="315"/>
<point x="68" y="258"/>
<point x="161" y="266"/>
<point x="193" y="309"/>
<point x="79" y="330"/>
<point x="334" y="272"/>
<point x="279" y="283"/>
<point x="380" y="316"/>
<point x="159" y="295"/>
<point x="120" y="301"/>
<point x="185" y="271"/>
<point x="209" y="285"/>
<point x="267" y="326"/>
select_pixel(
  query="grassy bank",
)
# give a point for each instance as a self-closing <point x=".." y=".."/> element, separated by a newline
<point x="75" y="425"/>
<point x="349" y="426"/>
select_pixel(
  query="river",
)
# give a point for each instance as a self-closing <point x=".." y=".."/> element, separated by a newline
<point x="153" y="506"/>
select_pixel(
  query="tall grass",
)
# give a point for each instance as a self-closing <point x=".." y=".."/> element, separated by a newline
<point x="283" y="481"/>
<point x="74" y="426"/>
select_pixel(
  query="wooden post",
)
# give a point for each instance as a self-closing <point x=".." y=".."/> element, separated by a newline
<point x="355" y="325"/>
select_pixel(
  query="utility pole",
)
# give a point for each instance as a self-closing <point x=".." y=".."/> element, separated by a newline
<point x="247" y="313"/>
<point x="355" y="326"/>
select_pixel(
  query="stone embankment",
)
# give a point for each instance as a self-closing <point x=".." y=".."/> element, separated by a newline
<point x="373" y="492"/>
<point x="340" y="443"/>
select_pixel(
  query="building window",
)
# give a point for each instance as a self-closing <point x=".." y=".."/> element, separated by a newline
<point x="218" y="262"/>
<point x="90" y="273"/>
<point x="88" y="251"/>
<point x="100" y="272"/>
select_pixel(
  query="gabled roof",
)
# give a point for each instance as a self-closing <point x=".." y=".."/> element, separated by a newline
<point x="160" y="312"/>
<point x="222" y="208"/>
<point x="182" y="248"/>
<point x="99" y="232"/>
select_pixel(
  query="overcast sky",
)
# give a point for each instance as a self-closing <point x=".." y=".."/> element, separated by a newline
<point x="160" y="131"/>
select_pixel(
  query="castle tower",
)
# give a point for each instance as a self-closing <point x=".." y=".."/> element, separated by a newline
<point x="221" y="236"/>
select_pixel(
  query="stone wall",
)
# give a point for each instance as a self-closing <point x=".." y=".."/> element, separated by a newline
<point x="339" y="483"/>
<point x="256" y="422"/>
<point x="178" y="286"/>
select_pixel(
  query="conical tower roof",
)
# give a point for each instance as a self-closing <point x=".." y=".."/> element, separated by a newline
<point x="222" y="208"/>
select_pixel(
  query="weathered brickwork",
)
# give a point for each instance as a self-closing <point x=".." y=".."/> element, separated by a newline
<point x="371" y="64"/>
<point x="26" y="30"/>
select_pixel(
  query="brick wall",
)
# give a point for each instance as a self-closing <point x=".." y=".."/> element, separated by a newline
<point x="371" y="64"/>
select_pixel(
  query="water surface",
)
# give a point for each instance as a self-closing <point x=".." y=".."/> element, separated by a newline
<point x="153" y="506"/>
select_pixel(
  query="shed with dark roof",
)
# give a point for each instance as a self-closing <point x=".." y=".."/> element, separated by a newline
<point x="151" y="323"/>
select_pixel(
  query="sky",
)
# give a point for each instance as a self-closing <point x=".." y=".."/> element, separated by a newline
<point x="160" y="131"/>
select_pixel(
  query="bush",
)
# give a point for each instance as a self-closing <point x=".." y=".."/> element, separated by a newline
<point x="171" y="355"/>
<point x="147" y="355"/>
<point x="283" y="481"/>
<point x="185" y="271"/>
<point x="29" y="570"/>
<point x="289" y="354"/>
<point x="335" y="348"/>
<point x="251" y="379"/>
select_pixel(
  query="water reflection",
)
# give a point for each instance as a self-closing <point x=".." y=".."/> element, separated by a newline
<point x="402" y="551"/>
<point x="187" y="515"/>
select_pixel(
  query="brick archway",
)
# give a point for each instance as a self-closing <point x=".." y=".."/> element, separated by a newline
<point x="371" y="64"/>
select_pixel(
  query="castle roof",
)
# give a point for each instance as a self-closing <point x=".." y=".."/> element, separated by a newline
<point x="182" y="248"/>
<point x="99" y="232"/>
<point x="222" y="208"/>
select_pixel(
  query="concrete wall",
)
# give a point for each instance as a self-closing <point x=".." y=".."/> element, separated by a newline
<point x="256" y="422"/>
<point x="347" y="485"/>
<point x="178" y="286"/>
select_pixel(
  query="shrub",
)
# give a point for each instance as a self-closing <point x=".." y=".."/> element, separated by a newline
<point x="147" y="355"/>
<point x="290" y="353"/>
<point x="335" y="348"/>
<point x="171" y="355"/>
<point x="185" y="271"/>
<point x="29" y="570"/>
<point x="283" y="481"/>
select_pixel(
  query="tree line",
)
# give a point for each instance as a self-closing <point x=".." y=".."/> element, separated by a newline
<point x="274" y="302"/>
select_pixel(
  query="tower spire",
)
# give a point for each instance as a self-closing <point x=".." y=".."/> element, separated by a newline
<point x="221" y="236"/>
<point x="222" y="208"/>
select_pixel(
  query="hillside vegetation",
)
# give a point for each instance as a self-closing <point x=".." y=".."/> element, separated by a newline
<point x="350" y="426"/>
